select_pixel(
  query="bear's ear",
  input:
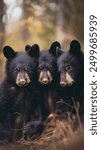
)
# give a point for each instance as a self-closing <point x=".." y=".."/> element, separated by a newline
<point x="27" y="47"/>
<point x="58" y="52"/>
<point x="53" y="47"/>
<point x="34" y="51"/>
<point x="8" y="52"/>
<point x="75" y="48"/>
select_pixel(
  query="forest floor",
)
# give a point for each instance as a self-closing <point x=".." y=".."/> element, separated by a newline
<point x="60" y="133"/>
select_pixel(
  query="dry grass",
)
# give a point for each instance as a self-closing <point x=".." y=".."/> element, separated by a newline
<point x="60" y="133"/>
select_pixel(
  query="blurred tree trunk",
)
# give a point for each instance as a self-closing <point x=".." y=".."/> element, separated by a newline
<point x="60" y="32"/>
<point x="26" y="14"/>
<point x="2" y="26"/>
<point x="2" y="37"/>
<point x="69" y="20"/>
<point x="79" y="22"/>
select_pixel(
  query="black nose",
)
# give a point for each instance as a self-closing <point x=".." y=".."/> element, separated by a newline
<point x="63" y="83"/>
<point x="45" y="81"/>
<point x="22" y="82"/>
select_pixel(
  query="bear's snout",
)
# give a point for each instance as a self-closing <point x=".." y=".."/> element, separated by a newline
<point x="22" y="79"/>
<point x="66" y="79"/>
<point x="45" y="77"/>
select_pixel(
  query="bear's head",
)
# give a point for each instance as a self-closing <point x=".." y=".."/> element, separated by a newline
<point x="70" y="64"/>
<point x="21" y="67"/>
<point x="47" y="64"/>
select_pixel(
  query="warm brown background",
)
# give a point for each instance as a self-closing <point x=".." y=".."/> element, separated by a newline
<point x="39" y="21"/>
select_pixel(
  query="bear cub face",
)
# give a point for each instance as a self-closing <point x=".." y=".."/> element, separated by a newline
<point x="47" y="64"/>
<point x="21" y="66"/>
<point x="70" y="64"/>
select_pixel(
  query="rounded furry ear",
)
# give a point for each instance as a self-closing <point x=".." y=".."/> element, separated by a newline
<point x="75" y="48"/>
<point x="58" y="52"/>
<point x="27" y="47"/>
<point x="53" y="47"/>
<point x="8" y="52"/>
<point x="34" y="51"/>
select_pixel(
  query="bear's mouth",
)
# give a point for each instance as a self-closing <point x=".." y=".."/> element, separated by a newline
<point x="65" y="84"/>
<point x="22" y="85"/>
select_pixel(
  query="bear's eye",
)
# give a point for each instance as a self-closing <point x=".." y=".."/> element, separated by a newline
<point x="27" y="69"/>
<point x="39" y="68"/>
<point x="17" y="69"/>
<point x="68" y="68"/>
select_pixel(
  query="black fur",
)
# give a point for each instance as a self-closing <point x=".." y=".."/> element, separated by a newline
<point x="72" y="62"/>
<point x="19" y="104"/>
<point x="47" y="62"/>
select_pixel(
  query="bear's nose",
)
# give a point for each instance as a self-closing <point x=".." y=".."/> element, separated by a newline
<point x="63" y="83"/>
<point x="45" y="81"/>
<point x="22" y="82"/>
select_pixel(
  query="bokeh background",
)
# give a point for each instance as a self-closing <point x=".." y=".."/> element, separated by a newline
<point x="43" y="21"/>
<point x="39" y="21"/>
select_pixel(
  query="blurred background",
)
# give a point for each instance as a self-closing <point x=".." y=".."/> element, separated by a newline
<point x="40" y="21"/>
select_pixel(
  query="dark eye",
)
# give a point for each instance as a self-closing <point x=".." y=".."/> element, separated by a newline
<point x="68" y="68"/>
<point x="39" y="68"/>
<point x="27" y="69"/>
<point x="17" y="69"/>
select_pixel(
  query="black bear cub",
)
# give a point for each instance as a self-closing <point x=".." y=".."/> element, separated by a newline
<point x="19" y="95"/>
<point x="71" y="71"/>
<point x="47" y="76"/>
<point x="47" y="64"/>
